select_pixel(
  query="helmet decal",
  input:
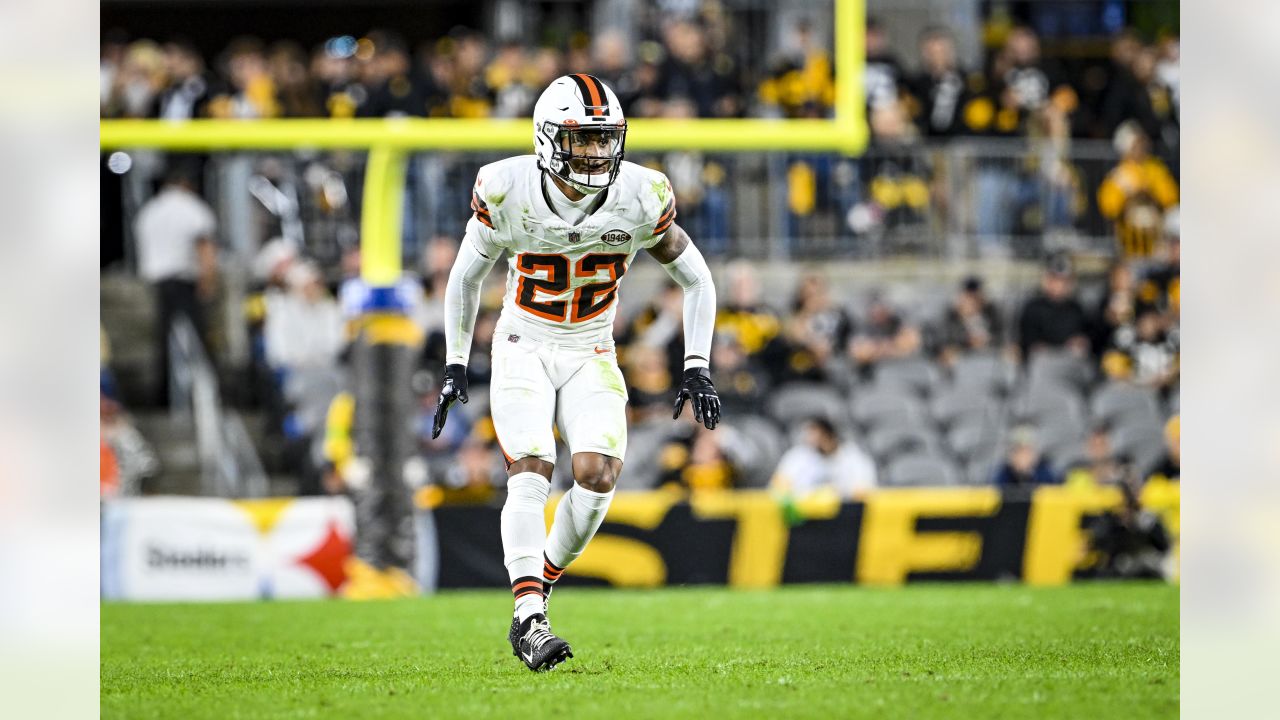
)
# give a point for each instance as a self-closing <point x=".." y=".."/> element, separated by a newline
<point x="593" y="96"/>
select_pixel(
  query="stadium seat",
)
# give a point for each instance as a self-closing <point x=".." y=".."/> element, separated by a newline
<point x="1068" y="456"/>
<point x="644" y="443"/>
<point x="974" y="439"/>
<point x="981" y="469"/>
<point x="921" y="471"/>
<point x="985" y="371"/>
<point x="916" y="373"/>
<point x="1143" y="443"/>
<point x="794" y="402"/>
<point x="955" y="404"/>
<point x="1037" y="403"/>
<point x="875" y="405"/>
<point x="1058" y="438"/>
<point x="764" y="434"/>
<point x="888" y="442"/>
<point x="1060" y="367"/>
<point x="1122" y="403"/>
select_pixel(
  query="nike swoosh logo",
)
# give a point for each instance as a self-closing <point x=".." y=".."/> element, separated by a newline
<point x="601" y="351"/>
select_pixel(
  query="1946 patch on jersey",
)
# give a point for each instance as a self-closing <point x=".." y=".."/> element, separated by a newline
<point x="616" y="237"/>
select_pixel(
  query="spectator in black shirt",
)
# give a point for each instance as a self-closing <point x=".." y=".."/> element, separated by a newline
<point x="1113" y="318"/>
<point x="693" y="74"/>
<point x="1034" y="87"/>
<point x="1101" y="81"/>
<point x="972" y="322"/>
<point x="941" y="86"/>
<point x="882" y="72"/>
<point x="188" y="89"/>
<point x="1139" y="95"/>
<point x="1054" y="318"/>
<point x="884" y="335"/>
<point x="816" y="330"/>
<point x="394" y="89"/>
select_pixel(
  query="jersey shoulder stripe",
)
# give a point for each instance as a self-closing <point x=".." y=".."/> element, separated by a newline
<point x="481" y="209"/>
<point x="656" y="198"/>
<point x="495" y="181"/>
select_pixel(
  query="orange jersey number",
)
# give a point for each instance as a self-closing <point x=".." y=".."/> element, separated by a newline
<point x="592" y="299"/>
<point x="588" y="301"/>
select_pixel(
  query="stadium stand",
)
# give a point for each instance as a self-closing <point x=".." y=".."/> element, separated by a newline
<point x="934" y="401"/>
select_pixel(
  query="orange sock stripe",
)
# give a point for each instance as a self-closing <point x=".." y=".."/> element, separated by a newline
<point x="524" y="588"/>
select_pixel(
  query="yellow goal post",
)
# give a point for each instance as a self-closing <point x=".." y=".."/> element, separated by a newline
<point x="390" y="140"/>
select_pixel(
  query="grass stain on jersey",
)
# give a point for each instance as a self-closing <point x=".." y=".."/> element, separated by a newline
<point x="660" y="189"/>
<point x="497" y="198"/>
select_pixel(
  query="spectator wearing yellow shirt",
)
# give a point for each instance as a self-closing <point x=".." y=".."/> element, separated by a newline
<point x="751" y="322"/>
<point x="802" y="83"/>
<point x="1136" y="193"/>
<point x="253" y="92"/>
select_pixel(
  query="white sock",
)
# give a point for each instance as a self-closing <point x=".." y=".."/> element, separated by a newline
<point x="577" y="518"/>
<point x="524" y="533"/>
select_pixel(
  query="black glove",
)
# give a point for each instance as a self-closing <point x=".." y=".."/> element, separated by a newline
<point x="696" y="387"/>
<point x="454" y="388"/>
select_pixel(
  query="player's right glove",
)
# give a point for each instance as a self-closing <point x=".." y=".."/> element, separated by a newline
<point x="696" y="387"/>
<point x="453" y="388"/>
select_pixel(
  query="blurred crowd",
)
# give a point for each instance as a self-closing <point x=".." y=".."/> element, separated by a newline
<point x="683" y="71"/>
<point x="902" y="192"/>
<point x="685" y="66"/>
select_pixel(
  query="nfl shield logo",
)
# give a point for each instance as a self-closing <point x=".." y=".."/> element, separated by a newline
<point x="574" y="236"/>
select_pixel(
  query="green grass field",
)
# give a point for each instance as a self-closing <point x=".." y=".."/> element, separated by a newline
<point x="926" y="651"/>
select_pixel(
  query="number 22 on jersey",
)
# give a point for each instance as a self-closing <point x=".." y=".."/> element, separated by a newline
<point x="588" y="300"/>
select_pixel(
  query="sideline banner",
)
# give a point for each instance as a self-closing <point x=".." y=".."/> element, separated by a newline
<point x="747" y="539"/>
<point x="173" y="548"/>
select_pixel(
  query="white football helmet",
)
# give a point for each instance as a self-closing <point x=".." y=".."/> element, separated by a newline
<point x="579" y="132"/>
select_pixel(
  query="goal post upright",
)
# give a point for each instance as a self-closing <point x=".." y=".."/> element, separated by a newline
<point x="387" y="341"/>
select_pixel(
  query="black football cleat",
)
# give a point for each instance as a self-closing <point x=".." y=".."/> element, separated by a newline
<point x="513" y="636"/>
<point x="535" y="645"/>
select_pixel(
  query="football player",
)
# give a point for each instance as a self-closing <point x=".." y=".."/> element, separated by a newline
<point x="571" y="219"/>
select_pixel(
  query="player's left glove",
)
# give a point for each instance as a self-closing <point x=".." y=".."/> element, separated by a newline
<point x="454" y="388"/>
<point x="696" y="387"/>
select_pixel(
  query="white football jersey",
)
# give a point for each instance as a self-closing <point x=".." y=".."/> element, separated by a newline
<point x="562" y="281"/>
